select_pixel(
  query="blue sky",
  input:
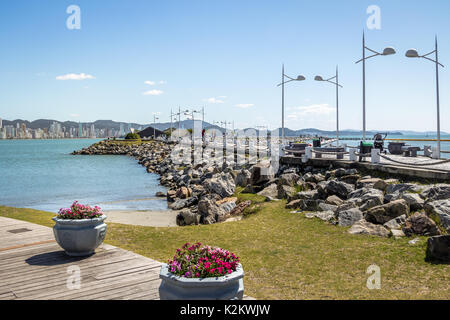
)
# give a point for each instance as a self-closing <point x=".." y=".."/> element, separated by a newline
<point x="226" y="56"/>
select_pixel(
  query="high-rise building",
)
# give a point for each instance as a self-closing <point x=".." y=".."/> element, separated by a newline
<point x="1" y="123"/>
<point x="80" y="130"/>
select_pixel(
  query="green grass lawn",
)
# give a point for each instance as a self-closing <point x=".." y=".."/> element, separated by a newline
<point x="286" y="256"/>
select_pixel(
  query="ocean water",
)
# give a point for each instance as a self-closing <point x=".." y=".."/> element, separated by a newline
<point x="43" y="175"/>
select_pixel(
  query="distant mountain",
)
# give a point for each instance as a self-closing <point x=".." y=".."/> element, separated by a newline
<point x="189" y="124"/>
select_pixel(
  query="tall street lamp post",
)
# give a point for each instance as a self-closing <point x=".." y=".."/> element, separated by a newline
<point x="336" y="83"/>
<point x="283" y="82"/>
<point x="412" y="53"/>
<point x="386" y="52"/>
<point x="154" y="124"/>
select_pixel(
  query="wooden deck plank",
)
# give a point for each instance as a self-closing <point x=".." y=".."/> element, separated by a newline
<point x="33" y="268"/>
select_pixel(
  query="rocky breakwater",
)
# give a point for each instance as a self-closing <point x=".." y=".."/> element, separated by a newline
<point x="202" y="192"/>
<point x="367" y="205"/>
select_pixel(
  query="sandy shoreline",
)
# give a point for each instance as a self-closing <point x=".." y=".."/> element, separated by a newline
<point x="158" y="218"/>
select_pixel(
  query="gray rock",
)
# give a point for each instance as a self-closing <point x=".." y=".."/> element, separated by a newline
<point x="262" y="172"/>
<point x="334" y="200"/>
<point x="285" y="192"/>
<point x="440" y="209"/>
<point x="348" y="217"/>
<point x="327" y="207"/>
<point x="270" y="192"/>
<point x="366" y="198"/>
<point x="436" y="192"/>
<point x="228" y="206"/>
<point x="322" y="215"/>
<point x="339" y="188"/>
<point x="364" y="227"/>
<point x="402" y="187"/>
<point x="221" y="184"/>
<point x="438" y="248"/>
<point x="305" y="205"/>
<point x="396" y="223"/>
<point x="369" y="183"/>
<point x="288" y="179"/>
<point x="183" y="203"/>
<point x="414" y="200"/>
<point x="397" y="233"/>
<point x="186" y="218"/>
<point x="345" y="206"/>
<point x="420" y="224"/>
<point x="384" y="213"/>
<point x="243" y="178"/>
<point x="306" y="195"/>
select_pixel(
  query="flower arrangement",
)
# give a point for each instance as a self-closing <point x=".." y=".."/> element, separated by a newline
<point x="79" y="211"/>
<point x="197" y="261"/>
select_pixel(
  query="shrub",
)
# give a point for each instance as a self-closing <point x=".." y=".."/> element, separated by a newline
<point x="79" y="211"/>
<point x="132" y="136"/>
<point x="197" y="261"/>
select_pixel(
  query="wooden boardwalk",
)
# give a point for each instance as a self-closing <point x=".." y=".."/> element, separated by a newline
<point x="34" y="267"/>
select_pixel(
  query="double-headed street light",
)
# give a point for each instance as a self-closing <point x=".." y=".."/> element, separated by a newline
<point x="154" y="124"/>
<point x="386" y="52"/>
<point x="412" y="53"/>
<point x="336" y="83"/>
<point x="283" y="82"/>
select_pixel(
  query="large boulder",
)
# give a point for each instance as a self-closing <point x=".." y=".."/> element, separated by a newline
<point x="221" y="184"/>
<point x="305" y="205"/>
<point x="440" y="210"/>
<point x="305" y="195"/>
<point x="364" y="227"/>
<point x="384" y="213"/>
<point x="414" y="200"/>
<point x="322" y="215"/>
<point x="402" y="187"/>
<point x="339" y="188"/>
<point x="348" y="217"/>
<point x="270" y="192"/>
<point x="419" y="223"/>
<point x="186" y="218"/>
<point x="285" y="192"/>
<point x="262" y="172"/>
<point x="366" y="198"/>
<point x="350" y="179"/>
<point x="210" y="211"/>
<point x="438" y="248"/>
<point x="436" y="192"/>
<point x="370" y="183"/>
<point x="396" y="223"/>
<point x="183" y="193"/>
<point x="243" y="178"/>
<point x="288" y="179"/>
<point x="334" y="200"/>
<point x="183" y="203"/>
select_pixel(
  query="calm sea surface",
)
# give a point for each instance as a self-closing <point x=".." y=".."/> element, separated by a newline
<point x="41" y="174"/>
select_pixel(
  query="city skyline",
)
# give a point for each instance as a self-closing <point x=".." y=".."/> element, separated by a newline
<point x="129" y="61"/>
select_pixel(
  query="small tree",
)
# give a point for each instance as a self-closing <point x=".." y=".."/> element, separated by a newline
<point x="132" y="136"/>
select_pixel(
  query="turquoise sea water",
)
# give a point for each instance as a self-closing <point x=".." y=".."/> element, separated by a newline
<point x="42" y="174"/>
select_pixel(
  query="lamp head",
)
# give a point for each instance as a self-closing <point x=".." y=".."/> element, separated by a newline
<point x="412" y="53"/>
<point x="388" y="51"/>
<point x="318" y="78"/>
<point x="300" y="78"/>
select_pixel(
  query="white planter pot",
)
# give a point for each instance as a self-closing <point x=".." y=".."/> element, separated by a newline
<point x="229" y="287"/>
<point x="79" y="237"/>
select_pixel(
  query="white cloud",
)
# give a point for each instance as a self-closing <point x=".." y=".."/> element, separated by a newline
<point x="150" y="83"/>
<point x="315" y="109"/>
<point x="162" y="82"/>
<point x="245" y="105"/>
<point x="213" y="100"/>
<point x="153" y="93"/>
<point x="75" y="76"/>
<point x="74" y="115"/>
